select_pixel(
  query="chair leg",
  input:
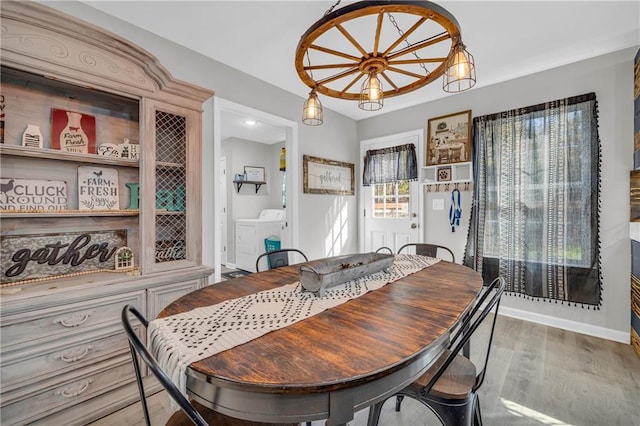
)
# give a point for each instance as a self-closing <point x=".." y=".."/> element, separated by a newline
<point x="477" y="416"/>
<point x="399" y="399"/>
<point x="374" y="414"/>
<point x="452" y="414"/>
<point x="143" y="399"/>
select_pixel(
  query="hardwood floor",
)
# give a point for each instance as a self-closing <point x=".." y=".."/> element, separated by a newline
<point x="537" y="375"/>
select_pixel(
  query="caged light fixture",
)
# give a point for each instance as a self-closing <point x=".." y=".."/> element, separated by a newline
<point x="353" y="53"/>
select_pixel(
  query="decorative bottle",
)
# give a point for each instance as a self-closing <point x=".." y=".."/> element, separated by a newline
<point x="32" y="136"/>
<point x="283" y="160"/>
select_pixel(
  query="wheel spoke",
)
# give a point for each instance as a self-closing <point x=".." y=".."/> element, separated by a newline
<point x="386" y="77"/>
<point x="337" y="76"/>
<point x="327" y="66"/>
<point x="352" y="40"/>
<point x="348" y="86"/>
<point x="378" y="30"/>
<point x="405" y="72"/>
<point x="334" y="52"/>
<point x="421" y="45"/>
<point x="404" y="36"/>
<point x="417" y="61"/>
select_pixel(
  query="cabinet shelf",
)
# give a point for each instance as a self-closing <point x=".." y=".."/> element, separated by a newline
<point x="70" y="213"/>
<point x="239" y="184"/>
<point x="54" y="154"/>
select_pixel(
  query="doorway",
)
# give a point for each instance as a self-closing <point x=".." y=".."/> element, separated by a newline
<point x="223" y="108"/>
<point x="391" y="214"/>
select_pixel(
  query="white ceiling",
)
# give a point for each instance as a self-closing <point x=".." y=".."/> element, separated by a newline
<point x="508" y="39"/>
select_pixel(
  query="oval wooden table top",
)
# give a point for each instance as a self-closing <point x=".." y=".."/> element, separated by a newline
<point x="338" y="361"/>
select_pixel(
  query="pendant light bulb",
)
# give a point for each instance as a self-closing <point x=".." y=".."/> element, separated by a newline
<point x="460" y="67"/>
<point x="460" y="74"/>
<point x="312" y="110"/>
<point x="371" y="93"/>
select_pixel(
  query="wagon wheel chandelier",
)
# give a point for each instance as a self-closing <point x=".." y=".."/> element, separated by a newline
<point x="383" y="56"/>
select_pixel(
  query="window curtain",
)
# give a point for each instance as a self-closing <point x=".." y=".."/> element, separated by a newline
<point x="535" y="213"/>
<point x="392" y="164"/>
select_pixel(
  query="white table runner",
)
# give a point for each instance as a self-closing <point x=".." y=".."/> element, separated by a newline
<point x="181" y="339"/>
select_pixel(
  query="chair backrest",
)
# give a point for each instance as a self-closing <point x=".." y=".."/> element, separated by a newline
<point x="468" y="327"/>
<point x="139" y="349"/>
<point x="430" y="250"/>
<point x="384" y="248"/>
<point x="278" y="258"/>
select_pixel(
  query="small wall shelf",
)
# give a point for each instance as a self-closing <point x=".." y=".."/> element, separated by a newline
<point x="451" y="173"/>
<point x="239" y="184"/>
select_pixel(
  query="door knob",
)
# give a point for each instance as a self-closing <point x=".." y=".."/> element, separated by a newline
<point x="414" y="225"/>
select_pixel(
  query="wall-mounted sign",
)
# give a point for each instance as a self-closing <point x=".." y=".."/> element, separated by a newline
<point x="98" y="188"/>
<point x="73" y="131"/>
<point x="23" y="195"/>
<point x="25" y="257"/>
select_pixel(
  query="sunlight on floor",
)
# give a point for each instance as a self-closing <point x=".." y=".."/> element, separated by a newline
<point x="522" y="411"/>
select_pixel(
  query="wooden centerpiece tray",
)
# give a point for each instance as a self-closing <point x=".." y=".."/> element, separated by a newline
<point x="321" y="276"/>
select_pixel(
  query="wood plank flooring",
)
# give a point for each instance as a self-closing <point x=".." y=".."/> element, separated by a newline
<point x="537" y="375"/>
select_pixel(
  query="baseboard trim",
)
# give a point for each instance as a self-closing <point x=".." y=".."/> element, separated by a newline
<point x="578" y="327"/>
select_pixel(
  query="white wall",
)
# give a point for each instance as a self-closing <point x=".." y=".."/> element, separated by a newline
<point x="336" y="139"/>
<point x="611" y="78"/>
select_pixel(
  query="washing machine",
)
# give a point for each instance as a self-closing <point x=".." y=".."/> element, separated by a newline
<point x="251" y="233"/>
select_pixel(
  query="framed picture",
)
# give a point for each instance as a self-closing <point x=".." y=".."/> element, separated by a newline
<point x="254" y="174"/>
<point x="443" y="174"/>
<point x="323" y="176"/>
<point x="449" y="139"/>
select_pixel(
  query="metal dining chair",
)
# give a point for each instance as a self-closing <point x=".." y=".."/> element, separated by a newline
<point x="383" y="249"/>
<point x="190" y="412"/>
<point x="449" y="387"/>
<point x="278" y="258"/>
<point x="431" y="250"/>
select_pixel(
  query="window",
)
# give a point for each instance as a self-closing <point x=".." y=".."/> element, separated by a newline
<point x="535" y="219"/>
<point x="391" y="200"/>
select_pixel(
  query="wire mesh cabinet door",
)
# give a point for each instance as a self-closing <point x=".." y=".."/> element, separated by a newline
<point x="171" y="220"/>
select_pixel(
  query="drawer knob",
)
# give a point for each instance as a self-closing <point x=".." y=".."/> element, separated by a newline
<point x="75" y="389"/>
<point x="74" y="320"/>
<point x="75" y="354"/>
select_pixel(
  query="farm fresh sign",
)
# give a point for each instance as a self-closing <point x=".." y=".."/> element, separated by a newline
<point x="22" y="195"/>
<point x="97" y="188"/>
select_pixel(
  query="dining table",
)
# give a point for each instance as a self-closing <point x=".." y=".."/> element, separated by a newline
<point x="338" y="361"/>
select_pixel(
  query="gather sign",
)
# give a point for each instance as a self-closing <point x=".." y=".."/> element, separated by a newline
<point x="26" y="257"/>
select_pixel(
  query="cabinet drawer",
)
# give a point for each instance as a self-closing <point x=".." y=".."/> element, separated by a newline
<point x="36" y="327"/>
<point x="22" y="368"/>
<point x="39" y="403"/>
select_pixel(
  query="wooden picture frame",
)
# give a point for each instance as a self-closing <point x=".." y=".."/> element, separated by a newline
<point x="443" y="174"/>
<point x="449" y="139"/>
<point x="254" y="174"/>
<point x="322" y="176"/>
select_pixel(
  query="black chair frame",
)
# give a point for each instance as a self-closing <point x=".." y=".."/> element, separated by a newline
<point x="139" y="349"/>
<point x="427" y="249"/>
<point x="278" y="258"/>
<point x="384" y="248"/>
<point x="454" y="412"/>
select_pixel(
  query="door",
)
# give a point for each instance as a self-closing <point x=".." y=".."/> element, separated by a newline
<point x="391" y="213"/>
<point x="222" y="187"/>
